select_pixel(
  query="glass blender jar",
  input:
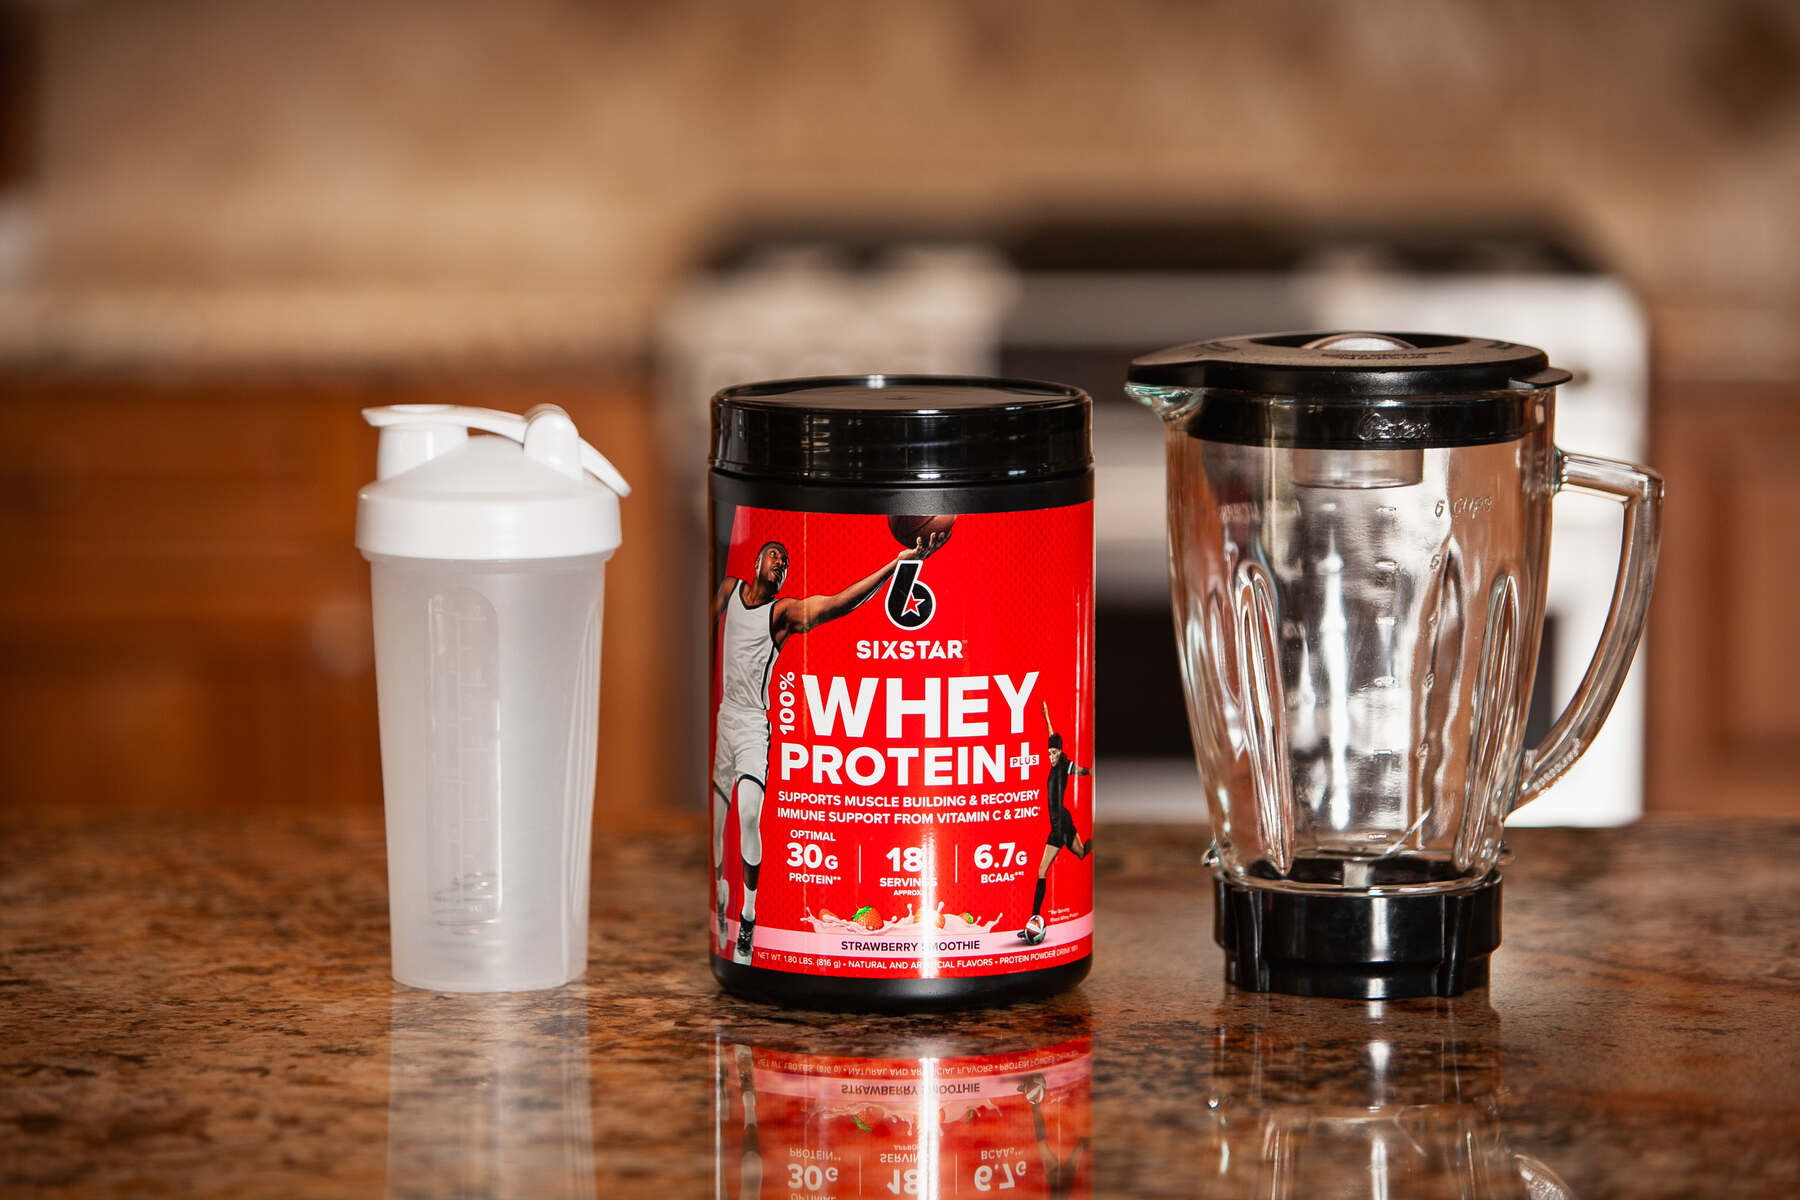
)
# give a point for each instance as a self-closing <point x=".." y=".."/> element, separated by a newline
<point x="1359" y="531"/>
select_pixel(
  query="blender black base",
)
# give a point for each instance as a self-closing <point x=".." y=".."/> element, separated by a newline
<point x="1356" y="946"/>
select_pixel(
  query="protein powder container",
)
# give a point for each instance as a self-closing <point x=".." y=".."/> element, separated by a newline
<point x="902" y="629"/>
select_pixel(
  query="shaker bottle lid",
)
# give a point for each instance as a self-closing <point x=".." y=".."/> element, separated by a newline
<point x="1349" y="365"/>
<point x="1354" y="390"/>
<point x="534" y="491"/>
<point x="899" y="429"/>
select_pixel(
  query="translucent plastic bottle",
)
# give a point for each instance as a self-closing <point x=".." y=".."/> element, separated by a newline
<point x="487" y="561"/>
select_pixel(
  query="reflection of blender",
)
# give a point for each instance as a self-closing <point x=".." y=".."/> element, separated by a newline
<point x="920" y="1122"/>
<point x="1390" y="1099"/>
<point x="489" y="1095"/>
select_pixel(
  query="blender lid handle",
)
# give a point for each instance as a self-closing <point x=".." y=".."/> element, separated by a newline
<point x="1640" y="491"/>
<point x="1549" y="377"/>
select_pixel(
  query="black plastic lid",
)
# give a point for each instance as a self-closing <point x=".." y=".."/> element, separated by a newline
<point x="897" y="429"/>
<point x="1336" y="365"/>
<point x="1355" y="391"/>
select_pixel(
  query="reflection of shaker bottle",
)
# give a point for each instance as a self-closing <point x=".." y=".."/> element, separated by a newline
<point x="526" y="1129"/>
<point x="487" y="559"/>
<point x="1359" y="538"/>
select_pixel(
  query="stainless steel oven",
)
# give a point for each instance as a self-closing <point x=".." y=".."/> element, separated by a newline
<point x="1075" y="301"/>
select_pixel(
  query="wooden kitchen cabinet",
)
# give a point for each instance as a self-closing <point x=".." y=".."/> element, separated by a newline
<point x="1725" y="672"/>
<point x="186" y="625"/>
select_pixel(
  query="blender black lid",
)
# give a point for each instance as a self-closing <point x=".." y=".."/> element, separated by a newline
<point x="900" y="429"/>
<point x="1349" y="365"/>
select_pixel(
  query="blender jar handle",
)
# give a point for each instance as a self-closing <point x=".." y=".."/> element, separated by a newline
<point x="1640" y="491"/>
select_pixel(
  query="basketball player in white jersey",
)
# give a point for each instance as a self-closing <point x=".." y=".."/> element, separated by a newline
<point x="756" y="626"/>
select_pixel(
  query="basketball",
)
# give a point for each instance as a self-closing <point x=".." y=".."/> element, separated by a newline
<point x="907" y="530"/>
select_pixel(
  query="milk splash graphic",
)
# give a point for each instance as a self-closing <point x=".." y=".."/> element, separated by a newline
<point x="825" y="921"/>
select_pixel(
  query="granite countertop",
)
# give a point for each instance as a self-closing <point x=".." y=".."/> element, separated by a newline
<point x="198" y="1008"/>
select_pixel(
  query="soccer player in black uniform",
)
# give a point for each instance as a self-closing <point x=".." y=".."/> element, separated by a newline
<point x="1059" y="1174"/>
<point x="1062" y="828"/>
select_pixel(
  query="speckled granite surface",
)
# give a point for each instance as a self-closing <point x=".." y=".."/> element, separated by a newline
<point x="198" y="1009"/>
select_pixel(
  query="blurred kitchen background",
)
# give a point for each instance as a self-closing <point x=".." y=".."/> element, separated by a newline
<point x="227" y="226"/>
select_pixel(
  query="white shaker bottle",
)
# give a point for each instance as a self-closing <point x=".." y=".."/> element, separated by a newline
<point x="487" y="557"/>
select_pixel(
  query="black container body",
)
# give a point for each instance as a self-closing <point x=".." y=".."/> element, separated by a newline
<point x="826" y="994"/>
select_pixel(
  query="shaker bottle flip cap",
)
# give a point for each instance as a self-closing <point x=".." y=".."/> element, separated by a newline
<point x="534" y="491"/>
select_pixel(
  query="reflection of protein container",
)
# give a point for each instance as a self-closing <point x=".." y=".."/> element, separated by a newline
<point x="902" y="650"/>
<point x="1017" y="1123"/>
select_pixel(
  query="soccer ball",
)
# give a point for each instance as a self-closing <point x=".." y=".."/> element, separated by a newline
<point x="1034" y="930"/>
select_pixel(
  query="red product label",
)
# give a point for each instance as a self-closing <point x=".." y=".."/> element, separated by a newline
<point x="804" y="1125"/>
<point x="902" y="735"/>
